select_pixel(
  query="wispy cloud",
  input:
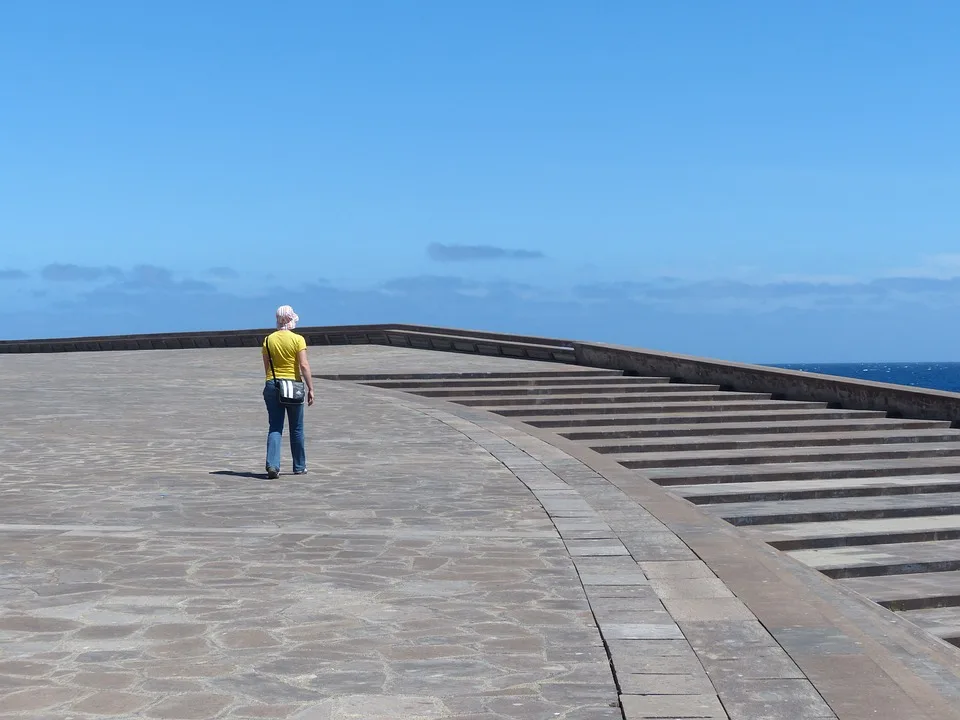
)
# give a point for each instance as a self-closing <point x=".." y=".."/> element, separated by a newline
<point x="67" y="272"/>
<point x="439" y="285"/>
<point x="727" y="296"/>
<point x="721" y="296"/>
<point x="159" y="279"/>
<point x="150" y="276"/>
<point x="224" y="273"/>
<point x="942" y="266"/>
<point x="423" y="284"/>
<point x="111" y="279"/>
<point x="472" y="253"/>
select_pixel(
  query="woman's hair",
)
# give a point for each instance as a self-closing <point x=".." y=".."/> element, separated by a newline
<point x="286" y="318"/>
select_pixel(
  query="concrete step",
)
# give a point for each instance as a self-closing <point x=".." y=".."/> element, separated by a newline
<point x="765" y="456"/>
<point x="521" y="381"/>
<point x="652" y="389"/>
<point x="841" y="533"/>
<point x="910" y="592"/>
<point x="708" y="474"/>
<point x="370" y="377"/>
<point x="651" y="400"/>
<point x="809" y="489"/>
<point x="826" y="509"/>
<point x="536" y="411"/>
<point x="655" y="422"/>
<point x="775" y="440"/>
<point x="942" y="622"/>
<point x="886" y="559"/>
<point x="784" y="428"/>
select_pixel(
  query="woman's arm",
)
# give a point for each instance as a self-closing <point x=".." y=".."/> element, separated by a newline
<point x="305" y="374"/>
<point x="266" y="364"/>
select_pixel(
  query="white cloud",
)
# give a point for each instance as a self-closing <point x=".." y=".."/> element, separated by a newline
<point x="943" y="266"/>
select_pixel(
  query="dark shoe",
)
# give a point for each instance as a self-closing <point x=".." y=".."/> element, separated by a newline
<point x="273" y="473"/>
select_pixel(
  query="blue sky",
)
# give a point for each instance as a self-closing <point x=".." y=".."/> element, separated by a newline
<point x="751" y="180"/>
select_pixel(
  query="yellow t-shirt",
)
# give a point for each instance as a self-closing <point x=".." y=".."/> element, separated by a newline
<point x="284" y="346"/>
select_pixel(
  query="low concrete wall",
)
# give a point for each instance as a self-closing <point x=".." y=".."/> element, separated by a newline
<point x="897" y="400"/>
<point x="315" y="335"/>
<point x="397" y="335"/>
<point x="161" y="341"/>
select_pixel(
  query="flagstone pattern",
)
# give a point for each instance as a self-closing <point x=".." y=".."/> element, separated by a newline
<point x="409" y="574"/>
<point x="435" y="563"/>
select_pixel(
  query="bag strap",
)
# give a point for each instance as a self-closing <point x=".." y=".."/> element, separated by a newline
<point x="266" y="344"/>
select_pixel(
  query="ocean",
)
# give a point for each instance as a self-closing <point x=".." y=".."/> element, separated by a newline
<point x="938" y="376"/>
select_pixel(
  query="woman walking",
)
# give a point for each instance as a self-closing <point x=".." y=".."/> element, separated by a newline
<point x="285" y="358"/>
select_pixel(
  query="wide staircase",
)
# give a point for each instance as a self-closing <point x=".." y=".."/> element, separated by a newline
<point x="869" y="500"/>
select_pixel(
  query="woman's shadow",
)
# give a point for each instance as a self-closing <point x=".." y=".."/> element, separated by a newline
<point x="234" y="473"/>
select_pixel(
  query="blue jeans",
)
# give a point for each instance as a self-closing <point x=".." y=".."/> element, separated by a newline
<point x="276" y="413"/>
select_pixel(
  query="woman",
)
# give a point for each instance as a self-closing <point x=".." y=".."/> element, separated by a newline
<point x="288" y="351"/>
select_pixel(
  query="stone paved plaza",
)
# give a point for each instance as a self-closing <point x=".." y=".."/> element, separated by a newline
<point x="435" y="563"/>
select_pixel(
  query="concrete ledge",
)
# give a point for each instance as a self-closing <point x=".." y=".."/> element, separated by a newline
<point x="398" y="335"/>
<point x="333" y="335"/>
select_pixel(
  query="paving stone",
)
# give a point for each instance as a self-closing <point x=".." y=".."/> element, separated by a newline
<point x="110" y="702"/>
<point x="653" y="684"/>
<point x="363" y="707"/>
<point x="174" y="631"/>
<point x="587" y="548"/>
<point x="14" y="682"/>
<point x="860" y="688"/>
<point x="672" y="706"/>
<point x="30" y="624"/>
<point x="206" y="669"/>
<point x="104" y="680"/>
<point x="242" y="639"/>
<point x="193" y="706"/>
<point x="38" y="698"/>
<point x="250" y="712"/>
<point x="707" y="610"/>
<point x="26" y="668"/>
<point x="765" y="664"/>
<point x="431" y="652"/>
<point x="616" y="577"/>
<point x="720" y="640"/>
<point x="643" y="601"/>
<point x="640" y="631"/>
<point x="690" y="589"/>
<point x="171" y="686"/>
<point x="105" y="632"/>
<point x="577" y="694"/>
<point x="580" y="530"/>
<point x="190" y="648"/>
<point x="682" y="569"/>
<point x="822" y="641"/>
<point x="641" y="592"/>
<point x="626" y="649"/>
<point x="656" y="546"/>
<point x="774" y="699"/>
<point x="659" y="665"/>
